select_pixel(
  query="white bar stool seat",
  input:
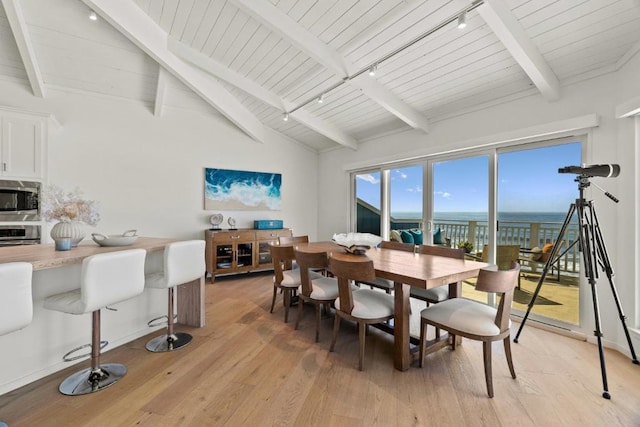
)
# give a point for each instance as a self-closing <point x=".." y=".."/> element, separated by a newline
<point x="183" y="263"/>
<point x="106" y="279"/>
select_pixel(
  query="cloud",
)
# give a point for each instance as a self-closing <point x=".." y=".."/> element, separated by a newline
<point x="416" y="189"/>
<point x="368" y="178"/>
<point x="401" y="174"/>
<point x="443" y="194"/>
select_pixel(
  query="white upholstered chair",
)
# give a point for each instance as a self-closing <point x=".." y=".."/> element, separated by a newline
<point x="477" y="321"/>
<point x="183" y="263"/>
<point x="106" y="279"/>
<point x="284" y="277"/>
<point x="363" y="306"/>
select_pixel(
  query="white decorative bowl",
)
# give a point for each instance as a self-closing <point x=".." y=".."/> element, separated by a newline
<point x="125" y="239"/>
<point x="357" y="243"/>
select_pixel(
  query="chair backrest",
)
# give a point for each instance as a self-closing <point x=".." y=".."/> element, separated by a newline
<point x="307" y="260"/>
<point x="505" y="255"/>
<point x="501" y="282"/>
<point x="111" y="277"/>
<point x="291" y="240"/>
<point x="441" y="251"/>
<point x="398" y="246"/>
<point x="184" y="262"/>
<point x="16" y="305"/>
<point x="349" y="268"/>
<point x="281" y="256"/>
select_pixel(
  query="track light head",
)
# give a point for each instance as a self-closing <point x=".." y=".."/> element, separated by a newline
<point x="373" y="69"/>
<point x="285" y="117"/>
<point x="462" y="20"/>
<point x="321" y="98"/>
<point x="93" y="16"/>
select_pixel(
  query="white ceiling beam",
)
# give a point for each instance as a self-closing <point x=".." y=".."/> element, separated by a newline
<point x="161" y="90"/>
<point x="222" y="72"/>
<point x="280" y="23"/>
<point x="249" y="86"/>
<point x="23" y="41"/>
<point x="507" y="28"/>
<point x="628" y="55"/>
<point x="133" y="23"/>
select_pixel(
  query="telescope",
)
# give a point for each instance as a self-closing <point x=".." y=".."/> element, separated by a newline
<point x="607" y="171"/>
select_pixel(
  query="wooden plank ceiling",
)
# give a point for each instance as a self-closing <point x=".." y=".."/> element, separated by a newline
<point x="253" y="60"/>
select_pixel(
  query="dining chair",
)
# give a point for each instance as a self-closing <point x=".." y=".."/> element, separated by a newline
<point x="477" y="321"/>
<point x="380" y="283"/>
<point x="441" y="293"/>
<point x="505" y="256"/>
<point x="285" y="277"/>
<point x="363" y="306"/>
<point x="320" y="291"/>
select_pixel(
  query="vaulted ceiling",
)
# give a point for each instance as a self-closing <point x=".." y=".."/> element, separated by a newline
<point x="255" y="60"/>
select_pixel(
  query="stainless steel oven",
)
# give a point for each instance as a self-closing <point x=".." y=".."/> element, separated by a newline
<point x="14" y="235"/>
<point x="19" y="201"/>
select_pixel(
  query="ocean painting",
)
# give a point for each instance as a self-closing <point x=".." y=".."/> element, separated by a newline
<point x="226" y="189"/>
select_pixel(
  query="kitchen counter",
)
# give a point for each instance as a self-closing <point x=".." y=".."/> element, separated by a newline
<point x="36" y="351"/>
<point x="45" y="256"/>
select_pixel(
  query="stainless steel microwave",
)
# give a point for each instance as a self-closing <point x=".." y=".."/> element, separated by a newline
<point x="19" y="201"/>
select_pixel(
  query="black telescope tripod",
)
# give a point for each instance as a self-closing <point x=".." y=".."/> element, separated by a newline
<point x="594" y="254"/>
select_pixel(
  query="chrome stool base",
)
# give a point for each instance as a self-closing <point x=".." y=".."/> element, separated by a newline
<point x="169" y="343"/>
<point x="89" y="381"/>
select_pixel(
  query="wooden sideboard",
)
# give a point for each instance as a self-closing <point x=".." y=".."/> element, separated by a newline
<point x="242" y="250"/>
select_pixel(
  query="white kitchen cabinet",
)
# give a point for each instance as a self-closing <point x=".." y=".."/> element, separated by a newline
<point x="23" y="139"/>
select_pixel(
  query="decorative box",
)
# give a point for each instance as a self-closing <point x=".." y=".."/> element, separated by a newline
<point x="267" y="224"/>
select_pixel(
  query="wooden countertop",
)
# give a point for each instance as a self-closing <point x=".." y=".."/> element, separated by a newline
<point x="45" y="256"/>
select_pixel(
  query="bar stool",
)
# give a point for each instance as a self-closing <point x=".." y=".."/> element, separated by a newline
<point x="106" y="279"/>
<point x="16" y="305"/>
<point x="183" y="263"/>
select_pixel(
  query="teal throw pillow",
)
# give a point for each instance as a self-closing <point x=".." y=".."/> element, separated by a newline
<point x="417" y="235"/>
<point x="406" y="236"/>
<point x="437" y="238"/>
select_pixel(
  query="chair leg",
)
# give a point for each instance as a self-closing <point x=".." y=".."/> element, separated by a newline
<point x="287" y="303"/>
<point x="172" y="340"/>
<point x="423" y="340"/>
<point x="362" y="328"/>
<point x="98" y="376"/>
<point x="318" y="306"/>
<point x="437" y="333"/>
<point x="300" y="304"/>
<point x="273" y="301"/>
<point x="336" y="326"/>
<point x="507" y="353"/>
<point x="486" y="351"/>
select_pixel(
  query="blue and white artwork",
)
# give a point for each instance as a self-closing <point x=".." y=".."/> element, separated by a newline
<point x="226" y="189"/>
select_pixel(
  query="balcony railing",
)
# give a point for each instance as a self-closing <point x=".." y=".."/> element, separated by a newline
<point x="527" y="235"/>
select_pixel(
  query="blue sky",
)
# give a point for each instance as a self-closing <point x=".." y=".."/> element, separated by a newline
<point x="528" y="182"/>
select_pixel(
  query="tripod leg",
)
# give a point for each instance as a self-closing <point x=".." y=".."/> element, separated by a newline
<point x="547" y="266"/>
<point x="590" y="256"/>
<point x="606" y="266"/>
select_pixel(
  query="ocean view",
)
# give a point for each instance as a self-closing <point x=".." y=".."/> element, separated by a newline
<point x="506" y="217"/>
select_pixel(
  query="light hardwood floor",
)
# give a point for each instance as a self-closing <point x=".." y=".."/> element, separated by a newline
<point x="248" y="368"/>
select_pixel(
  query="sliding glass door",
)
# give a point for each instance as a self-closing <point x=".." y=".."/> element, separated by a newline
<point x="460" y="208"/>
<point x="533" y="201"/>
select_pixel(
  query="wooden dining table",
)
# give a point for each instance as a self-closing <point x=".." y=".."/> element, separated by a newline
<point x="407" y="269"/>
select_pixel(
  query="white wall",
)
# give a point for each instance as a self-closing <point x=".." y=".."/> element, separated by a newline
<point x="612" y="142"/>
<point x="147" y="173"/>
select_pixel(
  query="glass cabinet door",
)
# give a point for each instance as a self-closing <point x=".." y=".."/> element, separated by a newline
<point x="244" y="256"/>
<point x="224" y="256"/>
<point x="264" y="254"/>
